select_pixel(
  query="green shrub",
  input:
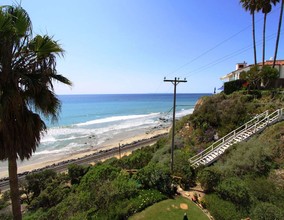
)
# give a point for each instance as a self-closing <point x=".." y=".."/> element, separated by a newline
<point x="221" y="209"/>
<point x="37" y="182"/>
<point x="6" y="216"/>
<point x="267" y="211"/>
<point x="3" y="202"/>
<point x="97" y="175"/>
<point x="232" y="86"/>
<point x="127" y="207"/>
<point x="209" y="178"/>
<point x="262" y="189"/>
<point x="247" y="158"/>
<point x="155" y="176"/>
<point x="235" y="190"/>
<point x="183" y="169"/>
<point x="75" y="172"/>
<point x="138" y="159"/>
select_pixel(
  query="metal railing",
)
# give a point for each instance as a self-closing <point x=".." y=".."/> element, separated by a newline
<point x="257" y="123"/>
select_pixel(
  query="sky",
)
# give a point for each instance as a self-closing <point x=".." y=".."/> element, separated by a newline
<point x="129" y="46"/>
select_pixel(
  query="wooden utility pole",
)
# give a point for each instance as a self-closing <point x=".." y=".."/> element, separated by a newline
<point x="175" y="82"/>
<point x="119" y="151"/>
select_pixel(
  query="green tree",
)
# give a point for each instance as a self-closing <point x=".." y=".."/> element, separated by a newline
<point x="251" y="6"/>
<point x="267" y="74"/>
<point x="27" y="71"/>
<point x="37" y="182"/>
<point x="252" y="77"/>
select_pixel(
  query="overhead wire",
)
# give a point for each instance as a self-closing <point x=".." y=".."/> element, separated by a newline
<point x="227" y="57"/>
<point x="216" y="46"/>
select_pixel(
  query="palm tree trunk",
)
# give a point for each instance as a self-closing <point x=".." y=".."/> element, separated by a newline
<point x="263" y="36"/>
<point x="278" y="33"/>
<point x="253" y="36"/>
<point x="14" y="188"/>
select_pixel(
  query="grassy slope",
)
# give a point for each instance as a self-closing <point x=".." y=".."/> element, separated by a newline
<point x="170" y="209"/>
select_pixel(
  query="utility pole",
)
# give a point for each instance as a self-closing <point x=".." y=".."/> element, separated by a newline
<point x="119" y="151"/>
<point x="175" y="82"/>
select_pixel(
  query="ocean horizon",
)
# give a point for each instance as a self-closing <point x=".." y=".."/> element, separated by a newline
<point x="91" y="121"/>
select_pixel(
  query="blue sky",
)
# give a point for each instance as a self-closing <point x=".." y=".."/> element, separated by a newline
<point x="129" y="46"/>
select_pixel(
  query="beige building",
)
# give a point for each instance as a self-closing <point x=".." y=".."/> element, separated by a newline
<point x="244" y="67"/>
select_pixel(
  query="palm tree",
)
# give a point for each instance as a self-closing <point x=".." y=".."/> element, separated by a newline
<point x="27" y="72"/>
<point x="265" y="6"/>
<point x="278" y="33"/>
<point x="251" y="6"/>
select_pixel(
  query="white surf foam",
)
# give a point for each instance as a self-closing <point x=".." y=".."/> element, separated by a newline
<point x="116" y="118"/>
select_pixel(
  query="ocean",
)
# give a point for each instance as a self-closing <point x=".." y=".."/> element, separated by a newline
<point x="89" y="122"/>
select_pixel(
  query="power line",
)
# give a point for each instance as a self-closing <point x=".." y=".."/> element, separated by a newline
<point x="217" y="45"/>
<point x="229" y="56"/>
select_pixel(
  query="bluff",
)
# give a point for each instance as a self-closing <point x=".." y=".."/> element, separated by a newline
<point x="248" y="180"/>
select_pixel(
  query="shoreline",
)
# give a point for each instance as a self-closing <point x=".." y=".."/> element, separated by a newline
<point x="110" y="144"/>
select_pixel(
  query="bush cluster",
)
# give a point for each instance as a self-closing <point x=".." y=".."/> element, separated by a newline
<point x="232" y="86"/>
<point x="104" y="191"/>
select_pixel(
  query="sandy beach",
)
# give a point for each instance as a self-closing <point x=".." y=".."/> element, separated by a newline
<point x="107" y="145"/>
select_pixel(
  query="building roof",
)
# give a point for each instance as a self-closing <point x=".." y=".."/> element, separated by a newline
<point x="270" y="62"/>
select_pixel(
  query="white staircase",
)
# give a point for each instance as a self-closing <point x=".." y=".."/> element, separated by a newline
<point x="257" y="124"/>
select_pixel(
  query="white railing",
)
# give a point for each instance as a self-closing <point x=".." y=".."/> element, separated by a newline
<point x="256" y="124"/>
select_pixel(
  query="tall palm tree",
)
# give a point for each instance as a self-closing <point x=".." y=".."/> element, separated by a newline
<point x="278" y="33"/>
<point x="251" y="6"/>
<point x="265" y="6"/>
<point x="27" y="72"/>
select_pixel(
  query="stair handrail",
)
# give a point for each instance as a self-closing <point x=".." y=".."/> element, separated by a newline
<point x="228" y="136"/>
<point x="279" y="113"/>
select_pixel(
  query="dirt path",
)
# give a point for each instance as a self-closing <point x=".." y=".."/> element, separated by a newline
<point x="191" y="193"/>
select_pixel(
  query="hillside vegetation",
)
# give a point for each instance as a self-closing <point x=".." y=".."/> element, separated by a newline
<point x="247" y="181"/>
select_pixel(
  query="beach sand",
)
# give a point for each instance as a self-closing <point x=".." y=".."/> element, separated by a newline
<point x="107" y="145"/>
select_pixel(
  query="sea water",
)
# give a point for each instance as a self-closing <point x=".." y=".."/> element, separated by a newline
<point x="91" y="121"/>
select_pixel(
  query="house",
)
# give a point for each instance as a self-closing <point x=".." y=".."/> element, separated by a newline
<point x="240" y="67"/>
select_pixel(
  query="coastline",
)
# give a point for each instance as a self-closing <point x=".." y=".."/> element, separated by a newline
<point x="112" y="143"/>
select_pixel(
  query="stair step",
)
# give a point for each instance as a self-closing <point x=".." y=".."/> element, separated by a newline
<point x="235" y="141"/>
<point x="248" y="131"/>
<point x="246" y="135"/>
<point x="210" y="157"/>
<point x="215" y="153"/>
<point x="226" y="146"/>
